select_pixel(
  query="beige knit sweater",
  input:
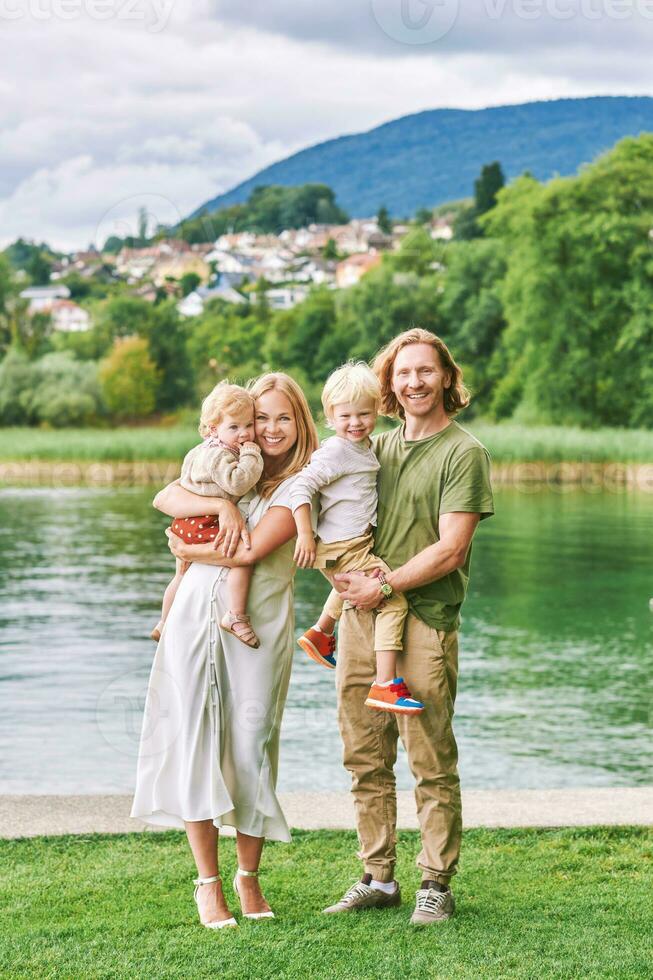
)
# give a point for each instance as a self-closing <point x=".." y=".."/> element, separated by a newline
<point x="213" y="470"/>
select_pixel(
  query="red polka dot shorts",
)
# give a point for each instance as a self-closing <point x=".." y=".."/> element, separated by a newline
<point x="196" y="530"/>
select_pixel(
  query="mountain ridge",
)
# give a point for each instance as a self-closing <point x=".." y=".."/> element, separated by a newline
<point x="432" y="156"/>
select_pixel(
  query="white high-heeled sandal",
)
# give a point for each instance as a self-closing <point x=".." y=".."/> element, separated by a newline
<point x="250" y="915"/>
<point x="219" y="923"/>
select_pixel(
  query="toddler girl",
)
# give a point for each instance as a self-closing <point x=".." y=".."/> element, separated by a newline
<point x="343" y="471"/>
<point x="227" y="464"/>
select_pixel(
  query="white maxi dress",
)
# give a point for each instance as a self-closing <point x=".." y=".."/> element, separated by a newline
<point x="210" y="737"/>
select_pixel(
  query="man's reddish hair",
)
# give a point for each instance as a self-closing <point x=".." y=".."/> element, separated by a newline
<point x="456" y="396"/>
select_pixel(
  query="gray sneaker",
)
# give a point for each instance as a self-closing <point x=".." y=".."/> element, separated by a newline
<point x="432" y="906"/>
<point x="363" y="896"/>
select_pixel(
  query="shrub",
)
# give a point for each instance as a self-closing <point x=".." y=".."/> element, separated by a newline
<point x="129" y="379"/>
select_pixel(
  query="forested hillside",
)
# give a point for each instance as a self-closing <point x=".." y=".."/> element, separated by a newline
<point x="432" y="157"/>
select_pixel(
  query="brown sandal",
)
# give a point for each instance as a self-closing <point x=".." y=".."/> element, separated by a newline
<point x="247" y="635"/>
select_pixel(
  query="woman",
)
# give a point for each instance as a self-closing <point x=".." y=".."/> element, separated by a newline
<point x="209" y="745"/>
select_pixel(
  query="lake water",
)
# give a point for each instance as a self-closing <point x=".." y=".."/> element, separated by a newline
<point x="555" y="679"/>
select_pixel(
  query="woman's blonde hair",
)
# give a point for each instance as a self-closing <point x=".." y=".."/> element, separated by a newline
<point x="225" y="399"/>
<point x="455" y="397"/>
<point x="352" y="382"/>
<point x="307" y="439"/>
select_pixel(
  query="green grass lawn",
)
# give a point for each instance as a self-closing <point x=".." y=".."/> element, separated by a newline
<point x="507" y="443"/>
<point x="531" y="904"/>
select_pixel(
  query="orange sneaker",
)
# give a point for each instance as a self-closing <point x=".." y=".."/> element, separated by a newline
<point x="393" y="697"/>
<point x="319" y="646"/>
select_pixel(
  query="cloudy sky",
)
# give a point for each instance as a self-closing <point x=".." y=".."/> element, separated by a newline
<point x="107" y="105"/>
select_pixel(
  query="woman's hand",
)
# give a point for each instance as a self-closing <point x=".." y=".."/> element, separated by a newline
<point x="206" y="554"/>
<point x="233" y="529"/>
<point x="179" y="548"/>
<point x="305" y="550"/>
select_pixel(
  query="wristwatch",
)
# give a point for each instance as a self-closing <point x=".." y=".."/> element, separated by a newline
<point x="386" y="588"/>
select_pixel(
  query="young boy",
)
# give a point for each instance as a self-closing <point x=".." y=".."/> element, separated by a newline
<point x="343" y="471"/>
<point x="228" y="463"/>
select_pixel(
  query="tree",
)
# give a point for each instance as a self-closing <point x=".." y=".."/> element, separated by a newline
<point x="423" y="216"/>
<point x="418" y="252"/>
<point x="67" y="391"/>
<point x="384" y="303"/>
<point x="473" y="312"/>
<point x="578" y="293"/>
<point x="7" y="291"/>
<point x="487" y="186"/>
<point x="296" y="340"/>
<point x="486" y="189"/>
<point x="143" y="221"/>
<point x="18" y="380"/>
<point x="39" y="269"/>
<point x="226" y="341"/>
<point x="270" y="208"/>
<point x="383" y="220"/>
<point x="167" y="338"/>
<point x="189" y="282"/>
<point x="330" y="250"/>
<point x="129" y="379"/>
<point x="112" y="245"/>
<point x="122" y="316"/>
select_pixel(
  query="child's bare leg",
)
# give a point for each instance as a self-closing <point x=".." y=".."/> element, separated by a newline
<point x="169" y="595"/>
<point x="332" y="609"/>
<point x="238" y="592"/>
<point x="326" y="623"/>
<point x="386" y="666"/>
<point x="238" y="589"/>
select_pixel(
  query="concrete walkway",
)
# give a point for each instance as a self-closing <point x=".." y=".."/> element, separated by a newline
<point x="30" y="816"/>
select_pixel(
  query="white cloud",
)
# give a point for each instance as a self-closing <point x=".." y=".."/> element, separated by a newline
<point x="94" y="112"/>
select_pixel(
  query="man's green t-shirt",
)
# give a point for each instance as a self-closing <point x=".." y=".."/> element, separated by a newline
<point x="417" y="482"/>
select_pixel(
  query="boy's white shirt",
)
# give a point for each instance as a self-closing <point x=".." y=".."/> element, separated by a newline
<point x="344" y="474"/>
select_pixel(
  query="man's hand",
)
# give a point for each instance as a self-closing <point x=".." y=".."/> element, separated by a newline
<point x="232" y="530"/>
<point x="305" y="550"/>
<point x="362" y="591"/>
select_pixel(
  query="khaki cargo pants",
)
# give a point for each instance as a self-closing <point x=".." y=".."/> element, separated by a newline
<point x="429" y="665"/>
<point x="357" y="554"/>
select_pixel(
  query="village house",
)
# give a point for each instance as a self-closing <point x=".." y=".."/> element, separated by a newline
<point x="41" y="298"/>
<point x="176" y="266"/>
<point x="283" y="297"/>
<point x="442" y="228"/>
<point x="195" y="302"/>
<point x="68" y="317"/>
<point x="352" y="269"/>
<point x="137" y="262"/>
<point x="316" y="270"/>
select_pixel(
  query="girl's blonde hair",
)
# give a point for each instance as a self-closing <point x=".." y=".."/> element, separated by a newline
<point x="225" y="399"/>
<point x="455" y="397"/>
<point x="352" y="382"/>
<point x="307" y="439"/>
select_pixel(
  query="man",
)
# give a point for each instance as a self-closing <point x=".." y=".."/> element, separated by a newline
<point x="434" y="487"/>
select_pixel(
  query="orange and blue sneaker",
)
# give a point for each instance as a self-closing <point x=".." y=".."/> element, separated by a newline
<point x="393" y="697"/>
<point x="320" y="647"/>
